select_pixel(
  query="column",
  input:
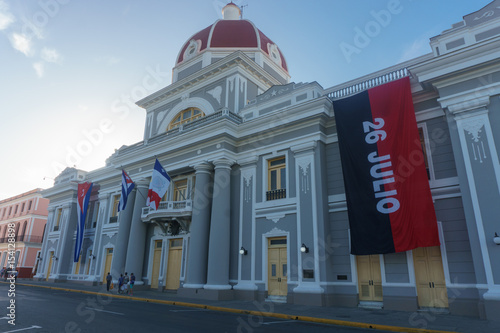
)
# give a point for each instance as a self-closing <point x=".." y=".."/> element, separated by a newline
<point x="137" y="238"/>
<point x="196" y="275"/>
<point x="218" y="250"/>
<point x="307" y="216"/>
<point x="124" y="223"/>
<point x="97" y="251"/>
<point x="246" y="263"/>
<point x="44" y="253"/>
<point x="482" y="170"/>
<point x="66" y="249"/>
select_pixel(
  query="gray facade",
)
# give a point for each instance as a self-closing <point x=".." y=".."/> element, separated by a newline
<point x="234" y="214"/>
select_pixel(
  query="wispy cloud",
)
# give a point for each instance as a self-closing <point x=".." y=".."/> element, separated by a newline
<point x="6" y="18"/>
<point x="39" y="68"/>
<point x="21" y="43"/>
<point x="50" y="55"/>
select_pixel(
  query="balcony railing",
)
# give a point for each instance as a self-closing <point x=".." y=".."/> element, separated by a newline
<point x="276" y="194"/>
<point x="169" y="209"/>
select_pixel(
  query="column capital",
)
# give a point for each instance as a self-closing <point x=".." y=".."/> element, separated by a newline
<point x="248" y="161"/>
<point x="223" y="163"/>
<point x="307" y="147"/>
<point x="142" y="183"/>
<point x="203" y="167"/>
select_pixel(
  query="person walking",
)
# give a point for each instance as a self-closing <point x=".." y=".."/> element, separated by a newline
<point x="120" y="284"/>
<point x="108" y="281"/>
<point x="126" y="282"/>
<point x="132" y="281"/>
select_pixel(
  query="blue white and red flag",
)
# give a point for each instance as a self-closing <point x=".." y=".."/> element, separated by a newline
<point x="158" y="186"/>
<point x="127" y="187"/>
<point x="82" y="203"/>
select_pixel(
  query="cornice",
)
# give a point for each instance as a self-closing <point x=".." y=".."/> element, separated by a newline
<point x="237" y="58"/>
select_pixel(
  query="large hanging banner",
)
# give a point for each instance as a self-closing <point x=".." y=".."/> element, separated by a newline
<point x="388" y="196"/>
<point x="82" y="204"/>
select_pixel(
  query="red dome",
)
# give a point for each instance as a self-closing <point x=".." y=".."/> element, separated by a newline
<point x="233" y="34"/>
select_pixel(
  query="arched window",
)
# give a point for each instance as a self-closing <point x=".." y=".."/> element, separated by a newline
<point x="185" y="116"/>
<point x="23" y="232"/>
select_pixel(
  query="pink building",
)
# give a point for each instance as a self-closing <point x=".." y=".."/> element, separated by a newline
<point x="26" y="214"/>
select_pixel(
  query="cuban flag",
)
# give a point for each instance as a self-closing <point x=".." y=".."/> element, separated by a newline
<point x="127" y="187"/>
<point x="389" y="201"/>
<point x="82" y="204"/>
<point x="158" y="186"/>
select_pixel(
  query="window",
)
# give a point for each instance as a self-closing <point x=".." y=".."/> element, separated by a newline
<point x="58" y="219"/>
<point x="421" y="134"/>
<point x="184" y="117"/>
<point x="29" y="204"/>
<point x="10" y="210"/>
<point x="276" y="178"/>
<point x="22" y="208"/>
<point x="114" y="212"/>
<point x="15" y="211"/>
<point x="95" y="214"/>
<point x="180" y="189"/>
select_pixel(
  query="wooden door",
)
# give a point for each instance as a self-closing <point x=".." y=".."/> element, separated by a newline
<point x="429" y="276"/>
<point x="49" y="268"/>
<point x="174" y="264"/>
<point x="369" y="278"/>
<point x="107" y="264"/>
<point x="155" y="273"/>
<point x="277" y="267"/>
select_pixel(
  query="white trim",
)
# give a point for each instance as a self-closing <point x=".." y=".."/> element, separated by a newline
<point x="427" y="152"/>
<point x="475" y="204"/>
<point x="271" y="234"/>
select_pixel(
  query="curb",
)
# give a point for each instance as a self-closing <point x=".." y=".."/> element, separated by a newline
<point x="254" y="313"/>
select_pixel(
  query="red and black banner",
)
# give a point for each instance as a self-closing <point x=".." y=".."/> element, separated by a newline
<point x="388" y="196"/>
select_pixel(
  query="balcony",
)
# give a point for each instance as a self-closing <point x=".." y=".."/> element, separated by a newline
<point x="276" y="194"/>
<point x="168" y="210"/>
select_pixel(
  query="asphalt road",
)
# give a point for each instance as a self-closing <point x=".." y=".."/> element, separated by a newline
<point x="43" y="310"/>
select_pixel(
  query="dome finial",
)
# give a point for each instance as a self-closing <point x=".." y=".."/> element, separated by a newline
<point x="231" y="12"/>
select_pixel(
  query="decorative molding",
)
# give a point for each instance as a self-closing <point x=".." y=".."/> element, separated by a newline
<point x="275" y="217"/>
<point x="216" y="93"/>
<point x="474" y="128"/>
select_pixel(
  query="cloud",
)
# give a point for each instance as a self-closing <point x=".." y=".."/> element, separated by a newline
<point x="6" y="18"/>
<point x="21" y="43"/>
<point x="50" y="55"/>
<point x="39" y="68"/>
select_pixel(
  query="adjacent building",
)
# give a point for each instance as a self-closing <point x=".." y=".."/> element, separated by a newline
<point x="26" y="215"/>
<point x="256" y="208"/>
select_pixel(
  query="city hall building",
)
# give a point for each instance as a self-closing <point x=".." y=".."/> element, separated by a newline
<point x="256" y="208"/>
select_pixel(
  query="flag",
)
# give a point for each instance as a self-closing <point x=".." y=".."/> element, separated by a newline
<point x="388" y="196"/>
<point x="82" y="204"/>
<point x="158" y="186"/>
<point x="127" y="187"/>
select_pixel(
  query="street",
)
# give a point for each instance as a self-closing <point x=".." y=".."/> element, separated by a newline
<point x="44" y="310"/>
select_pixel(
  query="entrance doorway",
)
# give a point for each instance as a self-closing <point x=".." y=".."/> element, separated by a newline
<point x="369" y="278"/>
<point x="107" y="264"/>
<point x="155" y="273"/>
<point x="49" y="268"/>
<point x="429" y="277"/>
<point x="277" y="266"/>
<point x="174" y="264"/>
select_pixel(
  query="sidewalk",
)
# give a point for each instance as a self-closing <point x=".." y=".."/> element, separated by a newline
<point x="396" y="321"/>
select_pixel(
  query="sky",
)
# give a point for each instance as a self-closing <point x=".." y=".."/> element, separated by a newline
<point x="68" y="66"/>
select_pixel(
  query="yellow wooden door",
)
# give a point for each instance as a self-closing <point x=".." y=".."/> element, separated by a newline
<point x="429" y="276"/>
<point x="174" y="264"/>
<point x="49" y="268"/>
<point x="369" y="278"/>
<point x="77" y="266"/>
<point x="155" y="273"/>
<point x="277" y="267"/>
<point x="107" y="264"/>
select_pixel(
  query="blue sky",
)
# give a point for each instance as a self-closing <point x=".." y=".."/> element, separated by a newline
<point x="68" y="66"/>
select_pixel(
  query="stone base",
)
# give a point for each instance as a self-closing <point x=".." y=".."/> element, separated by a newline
<point x="246" y="295"/>
<point x="465" y="307"/>
<point x="208" y="294"/>
<point x="492" y="309"/>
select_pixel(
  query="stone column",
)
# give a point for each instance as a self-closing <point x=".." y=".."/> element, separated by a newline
<point x="124" y="223"/>
<point x="66" y="249"/>
<point x="196" y="275"/>
<point x="218" y="251"/>
<point x="137" y="239"/>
